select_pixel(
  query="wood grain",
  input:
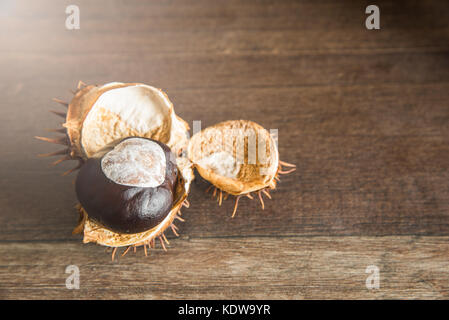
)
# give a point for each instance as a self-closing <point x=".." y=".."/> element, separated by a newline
<point x="247" y="268"/>
<point x="363" y="114"/>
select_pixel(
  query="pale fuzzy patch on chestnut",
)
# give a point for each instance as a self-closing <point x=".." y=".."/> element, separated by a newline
<point x="135" y="162"/>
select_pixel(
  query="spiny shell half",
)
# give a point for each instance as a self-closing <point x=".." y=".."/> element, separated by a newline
<point x="100" y="115"/>
<point x="237" y="156"/>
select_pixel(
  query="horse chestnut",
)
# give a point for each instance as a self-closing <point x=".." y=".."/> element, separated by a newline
<point x="128" y="187"/>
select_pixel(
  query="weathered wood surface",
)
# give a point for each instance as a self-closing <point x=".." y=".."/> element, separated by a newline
<point x="236" y="268"/>
<point x="364" y="115"/>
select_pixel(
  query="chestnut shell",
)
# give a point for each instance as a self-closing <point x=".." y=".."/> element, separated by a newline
<point x="121" y="208"/>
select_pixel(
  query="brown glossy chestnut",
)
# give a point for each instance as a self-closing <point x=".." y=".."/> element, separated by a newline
<point x="128" y="187"/>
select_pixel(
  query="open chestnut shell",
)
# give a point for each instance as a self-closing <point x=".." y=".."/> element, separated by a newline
<point x="99" y="117"/>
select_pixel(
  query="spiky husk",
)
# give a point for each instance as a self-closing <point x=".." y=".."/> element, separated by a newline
<point x="85" y="99"/>
<point x="70" y="152"/>
<point x="249" y="178"/>
<point x="77" y="110"/>
<point x="222" y="195"/>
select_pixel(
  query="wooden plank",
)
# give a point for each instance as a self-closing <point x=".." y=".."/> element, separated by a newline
<point x="252" y="268"/>
<point x="214" y="72"/>
<point x="259" y="27"/>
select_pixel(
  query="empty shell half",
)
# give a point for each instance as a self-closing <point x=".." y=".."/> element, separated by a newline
<point x="238" y="157"/>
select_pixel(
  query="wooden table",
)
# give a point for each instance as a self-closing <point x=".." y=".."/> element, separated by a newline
<point x="363" y="113"/>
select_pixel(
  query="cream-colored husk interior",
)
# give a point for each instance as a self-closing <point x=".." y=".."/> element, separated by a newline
<point x="133" y="110"/>
<point x="222" y="163"/>
<point x="237" y="156"/>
